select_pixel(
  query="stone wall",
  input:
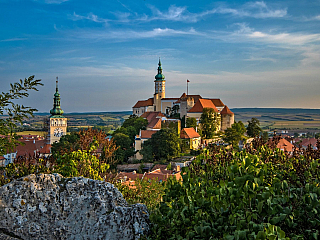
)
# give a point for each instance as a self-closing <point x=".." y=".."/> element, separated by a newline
<point x="48" y="206"/>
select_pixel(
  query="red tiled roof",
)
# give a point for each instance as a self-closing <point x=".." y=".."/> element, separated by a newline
<point x="155" y="124"/>
<point x="285" y="145"/>
<point x="130" y="175"/>
<point x="144" y="103"/>
<point x="217" y="102"/>
<point x="46" y="149"/>
<point x="305" y="142"/>
<point x="201" y="104"/>
<point x="146" y="134"/>
<point x="226" y="110"/>
<point x="188" y="133"/>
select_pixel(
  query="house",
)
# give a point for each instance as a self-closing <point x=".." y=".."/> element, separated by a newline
<point x="192" y="138"/>
<point x="284" y="145"/>
<point x="309" y="141"/>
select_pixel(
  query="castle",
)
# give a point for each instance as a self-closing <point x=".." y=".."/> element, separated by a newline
<point x="186" y="105"/>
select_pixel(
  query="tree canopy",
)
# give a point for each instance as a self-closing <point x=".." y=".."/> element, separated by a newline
<point x="191" y="123"/>
<point x="15" y="113"/>
<point x="234" y="134"/>
<point x="253" y="128"/>
<point x="209" y="123"/>
<point x="164" y="144"/>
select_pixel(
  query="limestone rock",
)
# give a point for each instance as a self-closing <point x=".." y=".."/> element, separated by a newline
<point x="48" y="206"/>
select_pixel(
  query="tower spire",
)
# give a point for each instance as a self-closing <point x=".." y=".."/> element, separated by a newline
<point x="57" y="84"/>
<point x="56" y="110"/>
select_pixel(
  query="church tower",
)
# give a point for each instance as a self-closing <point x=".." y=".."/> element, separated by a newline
<point x="57" y="122"/>
<point x="160" y="88"/>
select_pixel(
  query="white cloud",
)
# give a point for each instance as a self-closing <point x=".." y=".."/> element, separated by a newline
<point x="52" y="1"/>
<point x="277" y="38"/>
<point x="90" y="17"/>
<point x="13" y="39"/>
<point x="131" y="34"/>
<point x="253" y="10"/>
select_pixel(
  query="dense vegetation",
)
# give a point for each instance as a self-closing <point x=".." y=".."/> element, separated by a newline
<point x="258" y="193"/>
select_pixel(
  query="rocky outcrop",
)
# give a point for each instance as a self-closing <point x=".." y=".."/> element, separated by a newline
<point x="48" y="206"/>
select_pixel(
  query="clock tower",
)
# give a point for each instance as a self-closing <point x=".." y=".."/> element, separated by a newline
<point x="57" y="122"/>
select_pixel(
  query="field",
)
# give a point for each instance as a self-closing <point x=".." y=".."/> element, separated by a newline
<point x="293" y="120"/>
<point x="40" y="133"/>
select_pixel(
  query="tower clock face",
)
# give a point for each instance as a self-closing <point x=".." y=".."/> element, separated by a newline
<point x="58" y="132"/>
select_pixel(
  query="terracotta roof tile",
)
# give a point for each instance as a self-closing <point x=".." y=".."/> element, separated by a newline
<point x="155" y="124"/>
<point x="188" y="133"/>
<point x="146" y="134"/>
<point x="201" y="104"/>
<point x="226" y="110"/>
<point x="217" y="102"/>
<point x="144" y="103"/>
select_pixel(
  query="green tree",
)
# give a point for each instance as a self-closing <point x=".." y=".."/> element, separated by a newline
<point x="253" y="128"/>
<point x="82" y="163"/>
<point x="191" y="123"/>
<point x="164" y="144"/>
<point x="14" y="113"/>
<point x="67" y="144"/>
<point x="234" y="134"/>
<point x="209" y="121"/>
<point x="136" y="122"/>
<point x="125" y="150"/>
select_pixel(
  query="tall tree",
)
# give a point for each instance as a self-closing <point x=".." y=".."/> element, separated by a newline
<point x="191" y="123"/>
<point x="234" y="134"/>
<point x="209" y="123"/>
<point x="164" y="144"/>
<point x="253" y="128"/>
<point x="15" y="113"/>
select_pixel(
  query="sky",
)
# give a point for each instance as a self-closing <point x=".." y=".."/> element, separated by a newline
<point x="105" y="53"/>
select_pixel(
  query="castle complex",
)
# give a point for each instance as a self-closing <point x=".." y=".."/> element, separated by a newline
<point x="186" y="105"/>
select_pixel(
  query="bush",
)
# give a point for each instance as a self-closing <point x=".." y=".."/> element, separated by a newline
<point x="241" y="195"/>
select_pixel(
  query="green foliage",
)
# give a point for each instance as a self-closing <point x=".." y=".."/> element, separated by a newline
<point x="191" y="123"/>
<point x="174" y="125"/>
<point x="234" y="134"/>
<point x="146" y="192"/>
<point x="209" y="123"/>
<point x="81" y="163"/>
<point x="241" y="195"/>
<point x="67" y="144"/>
<point x="253" y="128"/>
<point x="136" y="122"/>
<point x="164" y="144"/>
<point x="125" y="149"/>
<point x="129" y="129"/>
<point x="15" y="112"/>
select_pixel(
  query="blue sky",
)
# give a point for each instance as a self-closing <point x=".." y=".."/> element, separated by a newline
<point x="248" y="53"/>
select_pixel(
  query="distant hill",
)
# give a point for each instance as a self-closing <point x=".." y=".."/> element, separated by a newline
<point x="277" y="110"/>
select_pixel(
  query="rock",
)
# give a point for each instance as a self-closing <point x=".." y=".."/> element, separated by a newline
<point x="48" y="206"/>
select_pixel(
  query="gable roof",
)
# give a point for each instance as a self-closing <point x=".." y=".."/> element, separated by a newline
<point x="217" y="102"/>
<point x="146" y="134"/>
<point x="226" y="111"/>
<point x="201" y="104"/>
<point x="188" y="133"/>
<point x="144" y="103"/>
<point x="283" y="144"/>
<point x="184" y="97"/>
